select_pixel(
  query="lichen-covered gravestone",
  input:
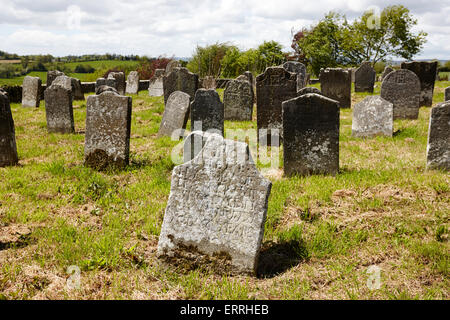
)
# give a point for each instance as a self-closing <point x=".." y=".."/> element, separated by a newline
<point x="31" y="91"/>
<point x="438" y="148"/>
<point x="336" y="84"/>
<point x="273" y="87"/>
<point x="426" y="71"/>
<point x="307" y="90"/>
<point x="216" y="210"/>
<point x="120" y="81"/>
<point x="311" y="135"/>
<point x="171" y="66"/>
<point x="52" y="75"/>
<point x="155" y="88"/>
<point x="207" y="111"/>
<point x="109" y="82"/>
<point x="238" y="100"/>
<point x="132" y="83"/>
<point x="373" y="116"/>
<point x="58" y="107"/>
<point x="108" y="126"/>
<point x="447" y="94"/>
<point x="299" y="69"/>
<point x="176" y="114"/>
<point x="8" y="148"/>
<point x="77" y="90"/>
<point x="180" y="79"/>
<point x="402" y="89"/>
<point x="386" y="71"/>
<point x="365" y="78"/>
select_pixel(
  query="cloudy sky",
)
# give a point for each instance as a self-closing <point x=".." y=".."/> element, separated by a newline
<point x="175" y="27"/>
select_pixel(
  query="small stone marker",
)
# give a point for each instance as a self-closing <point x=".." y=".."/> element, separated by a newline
<point x="438" y="148"/>
<point x="426" y="71"/>
<point x="402" y="89"/>
<point x="8" y="148"/>
<point x="216" y="210"/>
<point x="132" y="83"/>
<point x="299" y="69"/>
<point x="176" y="114"/>
<point x="447" y="94"/>
<point x="120" y="81"/>
<point x="207" y="113"/>
<point x="155" y="88"/>
<point x="373" y="116"/>
<point x="171" y="66"/>
<point x="386" y="71"/>
<point x="58" y="107"/>
<point x="52" y="75"/>
<point x="307" y="90"/>
<point x="31" y="91"/>
<point x="77" y="90"/>
<point x="108" y="126"/>
<point x="335" y="83"/>
<point x="311" y="135"/>
<point x="238" y="100"/>
<point x="110" y="82"/>
<point x="365" y="78"/>
<point x="180" y="79"/>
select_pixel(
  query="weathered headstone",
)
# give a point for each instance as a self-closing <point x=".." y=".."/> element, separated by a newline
<point x="273" y="87"/>
<point x="120" y="81"/>
<point x="311" y="135"/>
<point x="63" y="81"/>
<point x="307" y="90"/>
<point x="176" y="114"/>
<point x="180" y="79"/>
<point x="155" y="88"/>
<point x="58" y="107"/>
<point x="447" y="94"/>
<point x="335" y="83"/>
<point x="386" y="71"/>
<point x="8" y="148"/>
<point x="110" y="82"/>
<point x="102" y="89"/>
<point x="373" y="116"/>
<point x="402" y="89"/>
<point x="438" y="148"/>
<point x="77" y="90"/>
<point x="250" y="77"/>
<point x="299" y="69"/>
<point x="171" y="66"/>
<point x="209" y="82"/>
<point x="365" y="78"/>
<point x="207" y="113"/>
<point x="216" y="210"/>
<point x="238" y="101"/>
<point x="31" y="91"/>
<point x="108" y="126"/>
<point x="132" y="83"/>
<point x="426" y="71"/>
<point x="52" y="75"/>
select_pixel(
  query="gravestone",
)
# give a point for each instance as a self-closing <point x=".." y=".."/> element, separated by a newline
<point x="426" y="71"/>
<point x="8" y="148"/>
<point x="193" y="144"/>
<point x="120" y="81"/>
<point x="250" y="77"/>
<point x="307" y="90"/>
<point x="108" y="126"/>
<point x="155" y="88"/>
<point x="299" y="69"/>
<point x="58" y="107"/>
<point x="102" y="89"/>
<point x="311" y="135"/>
<point x="216" y="210"/>
<point x="402" y="89"/>
<point x="438" y="148"/>
<point x="207" y="111"/>
<point x="110" y="82"/>
<point x="273" y="87"/>
<point x="63" y="81"/>
<point x="447" y="94"/>
<point x="176" y="114"/>
<point x="171" y="66"/>
<point x="132" y="83"/>
<point x="52" y="75"/>
<point x="365" y="78"/>
<point x="335" y="83"/>
<point x="386" y="71"/>
<point x="209" y="82"/>
<point x="238" y="101"/>
<point x="373" y="116"/>
<point x="31" y="91"/>
<point x="180" y="79"/>
<point x="77" y="90"/>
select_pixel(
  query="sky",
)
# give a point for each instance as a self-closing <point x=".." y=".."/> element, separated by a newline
<point x="175" y="27"/>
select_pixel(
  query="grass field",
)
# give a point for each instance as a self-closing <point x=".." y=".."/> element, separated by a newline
<point x="321" y="236"/>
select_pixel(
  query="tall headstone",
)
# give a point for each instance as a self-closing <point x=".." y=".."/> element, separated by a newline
<point x="58" y="108"/>
<point x="120" y="81"/>
<point x="108" y="126"/>
<point x="180" y="79"/>
<point x="52" y="75"/>
<point x="365" y="78"/>
<point x="238" y="101"/>
<point x="447" y="94"/>
<point x="207" y="111"/>
<point x="311" y="135"/>
<point x="155" y="88"/>
<point x="299" y="69"/>
<point x="110" y="82"/>
<point x="373" y="116"/>
<point x="335" y="83"/>
<point x="31" y="91"/>
<point x="217" y="209"/>
<point x="8" y="148"/>
<point x="171" y="66"/>
<point x="402" y="89"/>
<point x="426" y="71"/>
<point x="132" y="83"/>
<point x="176" y="114"/>
<point x="438" y="148"/>
<point x="386" y="71"/>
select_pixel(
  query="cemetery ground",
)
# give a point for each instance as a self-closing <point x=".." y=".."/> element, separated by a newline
<point x="321" y="236"/>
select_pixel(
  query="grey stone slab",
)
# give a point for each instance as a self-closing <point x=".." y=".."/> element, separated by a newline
<point x="365" y="78"/>
<point x="31" y="90"/>
<point x="180" y="79"/>
<point x="171" y="66"/>
<point x="299" y="69"/>
<point x="238" y="100"/>
<point x="176" y="114"/>
<point x="52" y="75"/>
<point x="426" y="71"/>
<point x="386" y="71"/>
<point x="8" y="147"/>
<point x="58" y="108"/>
<point x="120" y="81"/>
<point x="77" y="90"/>
<point x="110" y="82"/>
<point x="438" y="148"/>
<point x="373" y="116"/>
<point x="132" y="86"/>
<point x="207" y="111"/>
<point x="156" y="85"/>
<point x="335" y="83"/>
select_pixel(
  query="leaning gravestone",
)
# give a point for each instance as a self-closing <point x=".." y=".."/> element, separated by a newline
<point x="273" y="87"/>
<point x="207" y="111"/>
<point x="176" y="114"/>
<point x="171" y="66"/>
<point x="120" y="81"/>
<point x="216" y="210"/>
<point x="58" y="107"/>
<point x="8" y="148"/>
<point x="447" y="94"/>
<point x="365" y="78"/>
<point x="155" y="88"/>
<point x="238" y="101"/>
<point x="311" y="135"/>
<point x="132" y="83"/>
<point x="299" y="69"/>
<point x="438" y="148"/>
<point x="110" y="82"/>
<point x="108" y="126"/>
<point x="402" y="89"/>
<point x="373" y="116"/>
<point x="426" y="71"/>
<point x="307" y="90"/>
<point x="335" y="83"/>
<point x="31" y="91"/>
<point x="180" y="79"/>
<point x="52" y="75"/>
<point x="386" y="71"/>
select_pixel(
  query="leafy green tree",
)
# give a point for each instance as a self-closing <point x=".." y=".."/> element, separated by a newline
<point x="271" y="53"/>
<point x="207" y="61"/>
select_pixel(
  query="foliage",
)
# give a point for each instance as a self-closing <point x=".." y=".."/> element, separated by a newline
<point x="147" y="69"/>
<point x="207" y="61"/>
<point x="84" y="69"/>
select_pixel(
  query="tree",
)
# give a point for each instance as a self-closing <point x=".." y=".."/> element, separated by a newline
<point x="271" y="54"/>
<point x="206" y="61"/>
